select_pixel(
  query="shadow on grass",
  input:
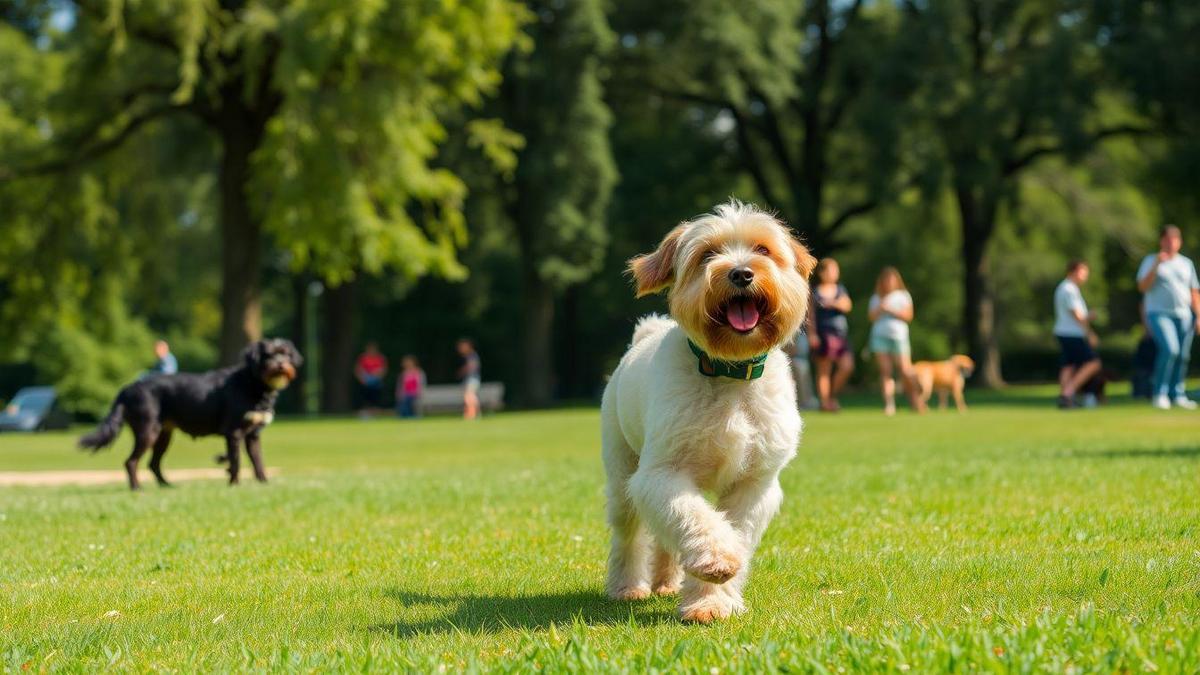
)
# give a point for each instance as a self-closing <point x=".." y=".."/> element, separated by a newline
<point x="1167" y="453"/>
<point x="492" y="613"/>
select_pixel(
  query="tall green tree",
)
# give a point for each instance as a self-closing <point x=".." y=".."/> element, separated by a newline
<point x="556" y="199"/>
<point x="1151" y="48"/>
<point x="1005" y="84"/>
<point x="325" y="119"/>
<point x="813" y="95"/>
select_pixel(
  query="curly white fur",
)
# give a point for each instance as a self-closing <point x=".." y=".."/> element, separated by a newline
<point x="669" y="435"/>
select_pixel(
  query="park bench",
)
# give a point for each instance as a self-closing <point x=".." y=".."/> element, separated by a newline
<point x="443" y="398"/>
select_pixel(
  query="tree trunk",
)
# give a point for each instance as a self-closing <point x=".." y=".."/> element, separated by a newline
<point x="337" y="348"/>
<point x="241" y="239"/>
<point x="538" y="345"/>
<point x="571" y="369"/>
<point x="978" y="219"/>
<point x="299" y="335"/>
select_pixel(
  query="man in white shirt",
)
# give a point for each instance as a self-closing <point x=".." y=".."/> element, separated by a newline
<point x="1172" y="303"/>
<point x="1073" y="328"/>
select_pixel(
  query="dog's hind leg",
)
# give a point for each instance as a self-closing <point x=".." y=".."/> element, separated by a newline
<point x="667" y="572"/>
<point x="142" y="440"/>
<point x="160" y="449"/>
<point x="233" y="449"/>
<point x="254" y="449"/>
<point x="628" y="557"/>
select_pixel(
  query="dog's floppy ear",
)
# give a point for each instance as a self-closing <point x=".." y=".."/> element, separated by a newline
<point x="253" y="356"/>
<point x="653" y="272"/>
<point x="294" y="354"/>
<point x="805" y="262"/>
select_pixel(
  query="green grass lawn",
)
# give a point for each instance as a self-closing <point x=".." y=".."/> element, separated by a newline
<point x="1012" y="538"/>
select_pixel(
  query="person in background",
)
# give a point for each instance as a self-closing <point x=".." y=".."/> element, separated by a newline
<point x="369" y="370"/>
<point x="1172" y="302"/>
<point x="165" y="363"/>
<point x="409" y="387"/>
<point x="1073" y="330"/>
<point x="891" y="310"/>
<point x="829" y="334"/>
<point x="797" y="349"/>
<point x="1143" y="360"/>
<point x="471" y="375"/>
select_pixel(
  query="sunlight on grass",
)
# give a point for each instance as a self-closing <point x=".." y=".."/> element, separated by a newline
<point x="1013" y="537"/>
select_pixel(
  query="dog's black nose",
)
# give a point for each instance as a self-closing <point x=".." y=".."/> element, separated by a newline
<point x="741" y="276"/>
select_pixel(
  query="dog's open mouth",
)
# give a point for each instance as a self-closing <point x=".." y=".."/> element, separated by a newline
<point x="281" y="377"/>
<point x="743" y="313"/>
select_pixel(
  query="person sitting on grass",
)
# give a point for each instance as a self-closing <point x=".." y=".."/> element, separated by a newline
<point x="370" y="370"/>
<point x="164" y="360"/>
<point x="891" y="310"/>
<point x="1144" y="356"/>
<point x="409" y="387"/>
<point x="1073" y="330"/>
<point x="1172" y="301"/>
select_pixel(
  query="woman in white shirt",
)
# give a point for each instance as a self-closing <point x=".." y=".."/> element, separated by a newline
<point x="891" y="310"/>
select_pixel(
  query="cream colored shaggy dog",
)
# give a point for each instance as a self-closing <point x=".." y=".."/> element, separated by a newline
<point x="704" y="402"/>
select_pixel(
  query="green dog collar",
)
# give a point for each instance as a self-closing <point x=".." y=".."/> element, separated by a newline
<point x="751" y="369"/>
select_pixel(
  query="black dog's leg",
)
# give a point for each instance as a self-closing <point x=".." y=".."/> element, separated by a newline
<point x="141" y="443"/>
<point x="233" y="442"/>
<point x="160" y="449"/>
<point x="254" y="449"/>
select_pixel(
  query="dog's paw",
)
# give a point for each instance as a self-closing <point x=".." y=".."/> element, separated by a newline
<point x="667" y="588"/>
<point x="640" y="592"/>
<point x="259" y="417"/>
<point x="709" y="609"/>
<point x="715" y="565"/>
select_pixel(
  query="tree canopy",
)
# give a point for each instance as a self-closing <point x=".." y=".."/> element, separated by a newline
<point x="189" y="168"/>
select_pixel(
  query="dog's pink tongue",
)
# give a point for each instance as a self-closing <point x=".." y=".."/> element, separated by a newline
<point x="742" y="314"/>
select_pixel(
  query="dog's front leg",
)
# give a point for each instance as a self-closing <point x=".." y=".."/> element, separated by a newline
<point x="254" y="449"/>
<point x="750" y="504"/>
<point x="233" y="442"/>
<point x="678" y="514"/>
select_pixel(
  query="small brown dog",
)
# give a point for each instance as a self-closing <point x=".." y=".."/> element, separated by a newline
<point x="944" y="377"/>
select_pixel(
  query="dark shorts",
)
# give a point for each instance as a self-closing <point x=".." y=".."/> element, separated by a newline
<point x="372" y="393"/>
<point x="833" y="345"/>
<point x="1076" y="351"/>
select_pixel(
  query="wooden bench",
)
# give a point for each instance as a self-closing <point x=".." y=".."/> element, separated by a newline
<point x="444" y="398"/>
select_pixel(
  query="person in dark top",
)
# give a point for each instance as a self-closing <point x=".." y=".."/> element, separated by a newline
<point x="829" y="334"/>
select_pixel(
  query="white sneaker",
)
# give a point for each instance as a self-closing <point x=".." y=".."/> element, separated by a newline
<point x="1186" y="403"/>
<point x="1161" y="402"/>
<point x="1090" y="401"/>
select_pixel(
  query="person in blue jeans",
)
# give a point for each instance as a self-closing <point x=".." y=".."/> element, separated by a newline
<point x="1172" y="304"/>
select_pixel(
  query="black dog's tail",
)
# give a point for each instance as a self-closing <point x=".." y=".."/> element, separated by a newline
<point x="107" y="432"/>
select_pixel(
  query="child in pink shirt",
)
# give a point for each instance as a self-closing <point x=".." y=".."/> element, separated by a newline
<point x="409" y="387"/>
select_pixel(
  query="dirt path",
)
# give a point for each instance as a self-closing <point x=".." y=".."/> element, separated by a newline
<point x="44" y="478"/>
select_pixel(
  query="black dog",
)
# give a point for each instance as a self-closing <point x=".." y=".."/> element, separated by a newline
<point x="235" y="402"/>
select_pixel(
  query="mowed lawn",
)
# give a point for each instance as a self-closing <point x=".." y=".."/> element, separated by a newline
<point x="1012" y="538"/>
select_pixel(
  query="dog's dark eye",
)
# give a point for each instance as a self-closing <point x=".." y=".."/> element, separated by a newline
<point x="762" y="250"/>
<point x="708" y="255"/>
